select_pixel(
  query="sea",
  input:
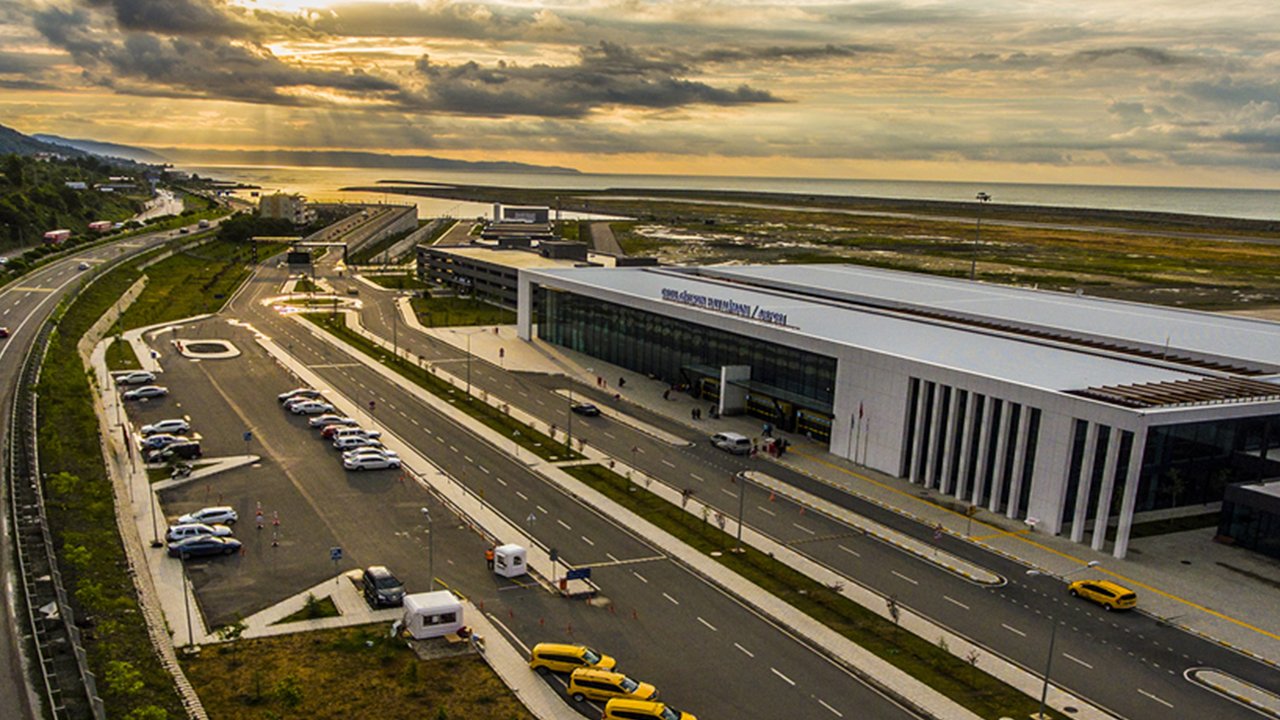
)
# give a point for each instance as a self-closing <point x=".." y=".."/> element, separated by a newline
<point x="324" y="184"/>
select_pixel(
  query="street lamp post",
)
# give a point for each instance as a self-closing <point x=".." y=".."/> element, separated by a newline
<point x="568" y="432"/>
<point x="186" y="599"/>
<point x="742" y="498"/>
<point x="1053" y="636"/>
<point x="983" y="198"/>
<point x="431" y="550"/>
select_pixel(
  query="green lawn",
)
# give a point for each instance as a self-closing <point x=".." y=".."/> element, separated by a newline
<point x="192" y="282"/>
<point x="305" y="285"/>
<point x="345" y="673"/>
<point x="526" y="437"/>
<point x="455" y="311"/>
<point x="314" y="609"/>
<point x="939" y="669"/>
<point x="120" y="356"/>
<point x="406" y="281"/>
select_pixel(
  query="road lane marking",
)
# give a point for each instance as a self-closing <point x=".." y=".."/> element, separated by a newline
<point x="611" y="557"/>
<point x="745" y="651"/>
<point x="729" y="492"/>
<point x="563" y="524"/>
<point x="1077" y="660"/>
<point x="668" y="464"/>
<point x="453" y="448"/>
<point x="1153" y="697"/>
<point x="834" y="711"/>
<point x="801" y="527"/>
<point x="640" y="577"/>
<point x="501" y="482"/>
<point x="673" y="600"/>
<point x="851" y="552"/>
<point x="521" y="495"/>
<point x="483" y="469"/>
<point x="610" y="435"/>
<point x="587" y="540"/>
<point x="954" y="601"/>
<point x="766" y="510"/>
<point x="904" y="577"/>
<point x="696" y="476"/>
<point x="709" y="625"/>
<point x="789" y="681"/>
<point x="468" y="459"/>
<point x="1013" y="630"/>
<point x="541" y="509"/>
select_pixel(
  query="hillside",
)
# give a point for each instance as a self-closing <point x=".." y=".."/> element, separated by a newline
<point x="12" y="141"/>
<point x="35" y="198"/>
<point x="105" y="149"/>
<point x="343" y="158"/>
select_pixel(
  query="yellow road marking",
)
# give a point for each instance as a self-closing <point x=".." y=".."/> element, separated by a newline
<point x="1021" y="537"/>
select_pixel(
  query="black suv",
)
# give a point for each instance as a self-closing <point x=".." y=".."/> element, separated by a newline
<point x="381" y="588"/>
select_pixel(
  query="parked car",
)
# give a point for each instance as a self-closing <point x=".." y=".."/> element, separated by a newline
<point x="329" y="432"/>
<point x="224" y="514"/>
<point x="350" y="442"/>
<point x="161" y="441"/>
<point x="370" y="462"/>
<point x="297" y="393"/>
<point x="137" y="377"/>
<point x="4" y="332"/>
<point x="321" y="421"/>
<point x="182" y="532"/>
<point x="585" y="409"/>
<point x="175" y="426"/>
<point x="375" y="451"/>
<point x="310" y="407"/>
<point x="357" y="432"/>
<point x="203" y="545"/>
<point x="145" y="392"/>
<point x="603" y="685"/>
<point x="628" y="709"/>
<point x="188" y="450"/>
<point x="291" y="402"/>
<point x="557" y="657"/>
<point x="381" y="588"/>
<point x="732" y="442"/>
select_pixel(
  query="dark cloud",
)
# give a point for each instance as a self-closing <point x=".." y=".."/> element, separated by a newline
<point x="1147" y="55"/>
<point x="176" y="17"/>
<point x="794" y="53"/>
<point x="145" y="64"/>
<point x="606" y="75"/>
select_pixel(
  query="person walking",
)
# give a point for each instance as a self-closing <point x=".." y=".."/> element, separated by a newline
<point x="488" y="558"/>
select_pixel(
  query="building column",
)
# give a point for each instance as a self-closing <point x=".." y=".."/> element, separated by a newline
<point x="524" y="308"/>
<point x="913" y="462"/>
<point x="948" y="459"/>
<point x="966" y="441"/>
<point x="984" y="440"/>
<point x="1086" y="481"/>
<point x="931" y="452"/>
<point x="1103" y="513"/>
<point x="1019" y="459"/>
<point x="1121" y="548"/>
<point x="1002" y="443"/>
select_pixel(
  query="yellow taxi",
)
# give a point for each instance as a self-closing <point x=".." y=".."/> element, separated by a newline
<point x="623" y="709"/>
<point x="602" y="685"/>
<point x="1104" y="592"/>
<point x="557" y="657"/>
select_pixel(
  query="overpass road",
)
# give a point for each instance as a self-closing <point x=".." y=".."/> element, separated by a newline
<point x="1131" y="664"/>
<point x="25" y="304"/>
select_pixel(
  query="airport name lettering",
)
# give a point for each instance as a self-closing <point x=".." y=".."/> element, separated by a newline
<point x="724" y="305"/>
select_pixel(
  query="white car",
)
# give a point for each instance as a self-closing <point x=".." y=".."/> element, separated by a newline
<point x="175" y="426"/>
<point x="310" y="407"/>
<point x="137" y="377"/>
<point x="357" y="432"/>
<point x="351" y="442"/>
<point x="322" y="420"/>
<point x="370" y="462"/>
<point x="224" y="514"/>
<point x="146" y="391"/>
<point x="182" y="532"/>
<point x="378" y="451"/>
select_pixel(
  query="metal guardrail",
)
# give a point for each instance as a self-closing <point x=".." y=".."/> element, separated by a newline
<point x="69" y="688"/>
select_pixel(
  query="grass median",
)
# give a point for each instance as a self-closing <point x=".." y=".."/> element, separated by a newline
<point x="453" y="311"/>
<point x="963" y="682"/>
<point x="525" y="436"/>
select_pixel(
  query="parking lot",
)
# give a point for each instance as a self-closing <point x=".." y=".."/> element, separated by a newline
<point x="300" y="481"/>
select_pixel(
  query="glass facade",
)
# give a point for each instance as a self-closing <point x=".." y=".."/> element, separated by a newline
<point x="1193" y="463"/>
<point x="1251" y="518"/>
<point x="667" y="348"/>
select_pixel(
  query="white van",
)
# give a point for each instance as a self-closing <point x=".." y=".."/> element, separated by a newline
<point x="732" y="442"/>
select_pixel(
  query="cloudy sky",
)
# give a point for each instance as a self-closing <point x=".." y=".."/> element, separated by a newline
<point x="1156" y="92"/>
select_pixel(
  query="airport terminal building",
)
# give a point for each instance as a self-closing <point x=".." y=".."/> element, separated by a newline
<point x="1071" y="413"/>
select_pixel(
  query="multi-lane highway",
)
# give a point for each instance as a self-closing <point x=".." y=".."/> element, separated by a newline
<point x="1128" y="663"/>
<point x="25" y="305"/>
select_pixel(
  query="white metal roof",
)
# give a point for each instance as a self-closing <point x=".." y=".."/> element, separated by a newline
<point x="1025" y="362"/>
<point x="1246" y="341"/>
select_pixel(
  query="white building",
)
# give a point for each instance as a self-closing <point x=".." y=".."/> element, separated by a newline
<point x="1071" y="413"/>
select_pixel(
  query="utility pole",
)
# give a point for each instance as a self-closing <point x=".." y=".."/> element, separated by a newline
<point x="982" y="198"/>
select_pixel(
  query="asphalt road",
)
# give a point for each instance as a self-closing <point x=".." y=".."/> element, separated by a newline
<point x="653" y="610"/>
<point x="24" y="306"/>
<point x="1128" y="663"/>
